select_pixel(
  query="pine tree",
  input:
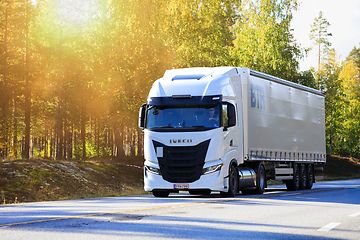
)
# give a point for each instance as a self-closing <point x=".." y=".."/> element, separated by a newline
<point x="319" y="35"/>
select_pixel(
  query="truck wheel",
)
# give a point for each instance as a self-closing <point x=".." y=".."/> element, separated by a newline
<point x="303" y="177"/>
<point x="233" y="183"/>
<point x="294" y="184"/>
<point x="160" y="193"/>
<point x="260" y="179"/>
<point x="310" y="176"/>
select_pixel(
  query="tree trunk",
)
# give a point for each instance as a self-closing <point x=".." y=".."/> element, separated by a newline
<point x="133" y="141"/>
<point x="46" y="139"/>
<point x="83" y="140"/>
<point x="4" y="92"/>
<point x="139" y="143"/>
<point x="97" y="133"/>
<point x="120" y="153"/>
<point x="64" y="133"/>
<point x="27" y="92"/>
<point x="69" y="142"/>
<point x="59" y="129"/>
<point x="15" y="130"/>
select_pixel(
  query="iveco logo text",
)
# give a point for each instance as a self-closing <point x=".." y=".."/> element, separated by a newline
<point x="180" y="140"/>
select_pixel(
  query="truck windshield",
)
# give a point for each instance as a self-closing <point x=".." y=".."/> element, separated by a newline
<point x="197" y="117"/>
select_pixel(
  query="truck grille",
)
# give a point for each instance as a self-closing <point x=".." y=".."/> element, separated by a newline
<point x="182" y="164"/>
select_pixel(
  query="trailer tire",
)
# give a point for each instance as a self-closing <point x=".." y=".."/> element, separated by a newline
<point x="294" y="184"/>
<point x="160" y="193"/>
<point x="310" y="176"/>
<point x="233" y="183"/>
<point x="303" y="177"/>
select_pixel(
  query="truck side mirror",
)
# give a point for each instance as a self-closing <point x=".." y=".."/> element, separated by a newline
<point x="142" y="112"/>
<point x="231" y="115"/>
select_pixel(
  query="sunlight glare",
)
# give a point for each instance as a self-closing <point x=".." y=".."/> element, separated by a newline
<point x="76" y="11"/>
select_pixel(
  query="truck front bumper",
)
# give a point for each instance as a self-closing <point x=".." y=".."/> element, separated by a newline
<point x="215" y="181"/>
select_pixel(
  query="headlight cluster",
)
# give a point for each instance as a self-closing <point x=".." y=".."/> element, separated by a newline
<point x="153" y="170"/>
<point x="212" y="169"/>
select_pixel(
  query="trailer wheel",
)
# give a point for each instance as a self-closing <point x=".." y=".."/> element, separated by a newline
<point x="303" y="177"/>
<point x="294" y="184"/>
<point x="310" y="176"/>
<point x="160" y="193"/>
<point x="233" y="183"/>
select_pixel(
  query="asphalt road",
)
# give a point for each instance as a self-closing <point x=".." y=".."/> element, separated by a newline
<point x="331" y="210"/>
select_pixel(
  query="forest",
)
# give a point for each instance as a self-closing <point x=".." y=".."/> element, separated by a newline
<point x="73" y="73"/>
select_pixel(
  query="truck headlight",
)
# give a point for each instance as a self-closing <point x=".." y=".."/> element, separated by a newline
<point x="153" y="170"/>
<point x="212" y="169"/>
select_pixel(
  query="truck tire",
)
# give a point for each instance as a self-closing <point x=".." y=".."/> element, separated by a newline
<point x="303" y="176"/>
<point x="260" y="179"/>
<point x="294" y="184"/>
<point x="233" y="183"/>
<point x="160" y="193"/>
<point x="310" y="176"/>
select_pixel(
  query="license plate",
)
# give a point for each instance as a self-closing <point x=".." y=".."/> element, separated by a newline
<point x="181" y="186"/>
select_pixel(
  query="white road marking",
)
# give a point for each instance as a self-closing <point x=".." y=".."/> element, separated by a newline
<point x="329" y="226"/>
<point x="355" y="214"/>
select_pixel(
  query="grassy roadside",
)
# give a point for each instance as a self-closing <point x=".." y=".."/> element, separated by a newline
<point x="338" y="168"/>
<point x="43" y="180"/>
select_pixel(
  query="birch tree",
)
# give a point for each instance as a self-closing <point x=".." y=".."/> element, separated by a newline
<point x="264" y="41"/>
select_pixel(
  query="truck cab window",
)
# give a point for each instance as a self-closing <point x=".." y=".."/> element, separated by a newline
<point x="183" y="117"/>
<point x="225" y="116"/>
<point x="229" y="115"/>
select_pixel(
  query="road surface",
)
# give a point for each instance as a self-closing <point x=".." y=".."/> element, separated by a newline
<point x="331" y="210"/>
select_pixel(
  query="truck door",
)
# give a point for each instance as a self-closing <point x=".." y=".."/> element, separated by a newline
<point x="229" y="124"/>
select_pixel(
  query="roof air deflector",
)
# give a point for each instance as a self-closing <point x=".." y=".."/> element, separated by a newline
<point x="188" y="77"/>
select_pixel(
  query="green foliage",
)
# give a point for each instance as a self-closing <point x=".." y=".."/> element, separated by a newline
<point x="341" y="82"/>
<point x="200" y="31"/>
<point x="264" y="41"/>
<point x="355" y="56"/>
<point x="328" y="81"/>
<point x="307" y="78"/>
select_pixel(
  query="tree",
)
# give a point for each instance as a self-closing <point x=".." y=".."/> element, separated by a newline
<point x="329" y="81"/>
<point x="200" y="31"/>
<point x="350" y="86"/>
<point x="307" y="78"/>
<point x="264" y="41"/>
<point x="16" y="16"/>
<point x="355" y="56"/>
<point x="319" y="35"/>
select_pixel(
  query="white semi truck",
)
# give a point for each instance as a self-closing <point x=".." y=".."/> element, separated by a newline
<point x="229" y="129"/>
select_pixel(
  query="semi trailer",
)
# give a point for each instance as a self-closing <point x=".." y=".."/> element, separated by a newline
<point x="230" y="129"/>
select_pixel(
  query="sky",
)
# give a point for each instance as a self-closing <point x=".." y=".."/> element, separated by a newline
<point x="344" y="17"/>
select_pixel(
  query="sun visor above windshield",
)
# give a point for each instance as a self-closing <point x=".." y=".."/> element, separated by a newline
<point x="206" y="100"/>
